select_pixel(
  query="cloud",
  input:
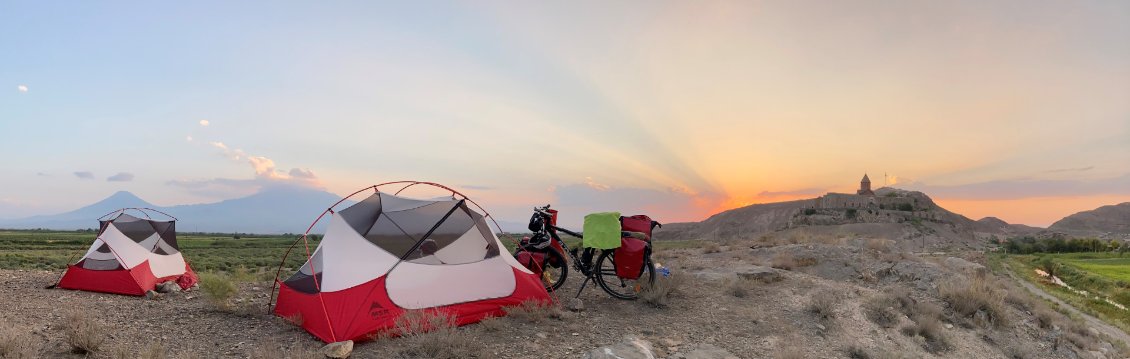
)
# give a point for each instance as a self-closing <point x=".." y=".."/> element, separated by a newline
<point x="266" y="174"/>
<point x="302" y="173"/>
<point x="188" y="138"/>
<point x="665" y="205"/>
<point x="597" y="186"/>
<point x="120" y="177"/>
<point x="205" y="123"/>
<point x="793" y="193"/>
<point x="22" y="88"/>
<point x="1019" y="189"/>
<point x="84" y="175"/>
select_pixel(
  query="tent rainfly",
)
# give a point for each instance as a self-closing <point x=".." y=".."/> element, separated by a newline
<point x="387" y="254"/>
<point x="130" y="256"/>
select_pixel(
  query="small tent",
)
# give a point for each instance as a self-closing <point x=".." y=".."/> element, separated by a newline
<point x="388" y="254"/>
<point x="130" y="256"/>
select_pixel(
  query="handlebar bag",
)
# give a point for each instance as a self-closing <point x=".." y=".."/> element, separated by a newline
<point x="629" y="258"/>
<point x="638" y="223"/>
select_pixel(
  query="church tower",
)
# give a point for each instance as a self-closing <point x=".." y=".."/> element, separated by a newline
<point x="865" y="187"/>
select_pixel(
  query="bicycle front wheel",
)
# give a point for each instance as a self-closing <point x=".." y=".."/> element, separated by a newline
<point x="622" y="288"/>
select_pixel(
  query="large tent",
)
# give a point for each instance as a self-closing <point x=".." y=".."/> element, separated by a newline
<point x="130" y="256"/>
<point x="388" y="254"/>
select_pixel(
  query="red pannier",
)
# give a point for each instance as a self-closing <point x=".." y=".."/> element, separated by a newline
<point x="629" y="258"/>
<point x="637" y="223"/>
<point x="535" y="262"/>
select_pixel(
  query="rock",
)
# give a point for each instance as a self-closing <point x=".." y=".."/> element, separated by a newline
<point x="152" y="295"/>
<point x="705" y="351"/>
<point x="630" y="348"/>
<point x="168" y="287"/>
<point x="1106" y="347"/>
<point x="1097" y="354"/>
<point x="949" y="326"/>
<point x="338" y="350"/>
<point x="761" y="274"/>
<point x="542" y="335"/>
<point x="671" y="342"/>
<point x="821" y="327"/>
<point x="575" y="305"/>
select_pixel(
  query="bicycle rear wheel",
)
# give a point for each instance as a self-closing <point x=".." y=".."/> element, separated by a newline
<point x="620" y="288"/>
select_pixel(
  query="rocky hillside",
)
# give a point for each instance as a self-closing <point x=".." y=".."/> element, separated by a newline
<point x="916" y="217"/>
<point x="1113" y="219"/>
<point x="997" y="225"/>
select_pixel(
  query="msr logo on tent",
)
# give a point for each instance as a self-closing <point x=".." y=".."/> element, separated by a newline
<point x="377" y="311"/>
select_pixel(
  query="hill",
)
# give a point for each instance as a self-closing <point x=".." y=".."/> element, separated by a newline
<point x="908" y="217"/>
<point x="1112" y="219"/>
<point x="278" y="209"/>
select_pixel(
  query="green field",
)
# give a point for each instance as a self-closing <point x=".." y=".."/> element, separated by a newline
<point x="205" y="252"/>
<point x="256" y="254"/>
<point x="1104" y="264"/>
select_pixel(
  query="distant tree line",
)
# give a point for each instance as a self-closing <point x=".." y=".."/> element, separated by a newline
<point x="1029" y="245"/>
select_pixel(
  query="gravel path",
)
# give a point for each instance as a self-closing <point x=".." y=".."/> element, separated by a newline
<point x="1107" y="329"/>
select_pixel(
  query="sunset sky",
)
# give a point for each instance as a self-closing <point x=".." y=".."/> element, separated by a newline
<point x="1015" y="109"/>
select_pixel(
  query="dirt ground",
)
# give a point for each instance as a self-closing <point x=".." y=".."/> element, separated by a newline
<point x="763" y="320"/>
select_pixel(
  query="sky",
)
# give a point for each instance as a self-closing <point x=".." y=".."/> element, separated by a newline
<point x="1013" y="109"/>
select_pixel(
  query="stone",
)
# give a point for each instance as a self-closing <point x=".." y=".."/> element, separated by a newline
<point x="761" y="274"/>
<point x="168" y="287"/>
<point x="705" y="351"/>
<point x="575" y="305"/>
<point x="821" y="327"/>
<point x="338" y="350"/>
<point x="949" y="326"/>
<point x="152" y="295"/>
<point x="630" y="348"/>
<point x="542" y="335"/>
<point x="672" y="342"/>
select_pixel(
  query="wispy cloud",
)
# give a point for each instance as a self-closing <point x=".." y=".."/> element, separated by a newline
<point x="120" y="177"/>
<point x="205" y="123"/>
<point x="84" y="175"/>
<point x="266" y="173"/>
<point x="22" y="88"/>
<point x="1080" y="169"/>
<point x="188" y="138"/>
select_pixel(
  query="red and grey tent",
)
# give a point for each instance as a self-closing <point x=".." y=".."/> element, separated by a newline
<point x="388" y="254"/>
<point x="130" y="256"/>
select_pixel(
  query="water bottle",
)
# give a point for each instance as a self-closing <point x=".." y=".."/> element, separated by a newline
<point x="666" y="272"/>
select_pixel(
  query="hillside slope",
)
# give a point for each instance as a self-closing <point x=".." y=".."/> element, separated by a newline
<point x="1114" y="219"/>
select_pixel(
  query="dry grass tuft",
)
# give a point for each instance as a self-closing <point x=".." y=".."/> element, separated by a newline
<point x="430" y="334"/>
<point x="930" y="329"/>
<point x="533" y="311"/>
<point x="976" y="298"/>
<point x="493" y="324"/>
<point x="82" y="333"/>
<point x="17" y="344"/>
<point x="659" y="294"/>
<point x="738" y="288"/>
<point x="219" y="289"/>
<point x="823" y="304"/>
<point x="785" y="260"/>
<point x="272" y="350"/>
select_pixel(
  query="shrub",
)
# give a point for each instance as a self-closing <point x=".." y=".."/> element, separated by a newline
<point x="975" y="296"/>
<point x="879" y="245"/>
<point x="711" y="247"/>
<point x="809" y="211"/>
<point x="659" y="294"/>
<point x="219" y="289"/>
<point x="1047" y="264"/>
<point x="17" y="344"/>
<point x="492" y="324"/>
<point x="82" y="333"/>
<point x="880" y="311"/>
<point x="783" y="260"/>
<point x="851" y="213"/>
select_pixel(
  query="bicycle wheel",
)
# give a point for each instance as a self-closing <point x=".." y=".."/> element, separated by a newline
<point x="621" y="288"/>
<point x="554" y="271"/>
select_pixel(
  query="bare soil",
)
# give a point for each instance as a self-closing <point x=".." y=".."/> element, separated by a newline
<point x="768" y="320"/>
